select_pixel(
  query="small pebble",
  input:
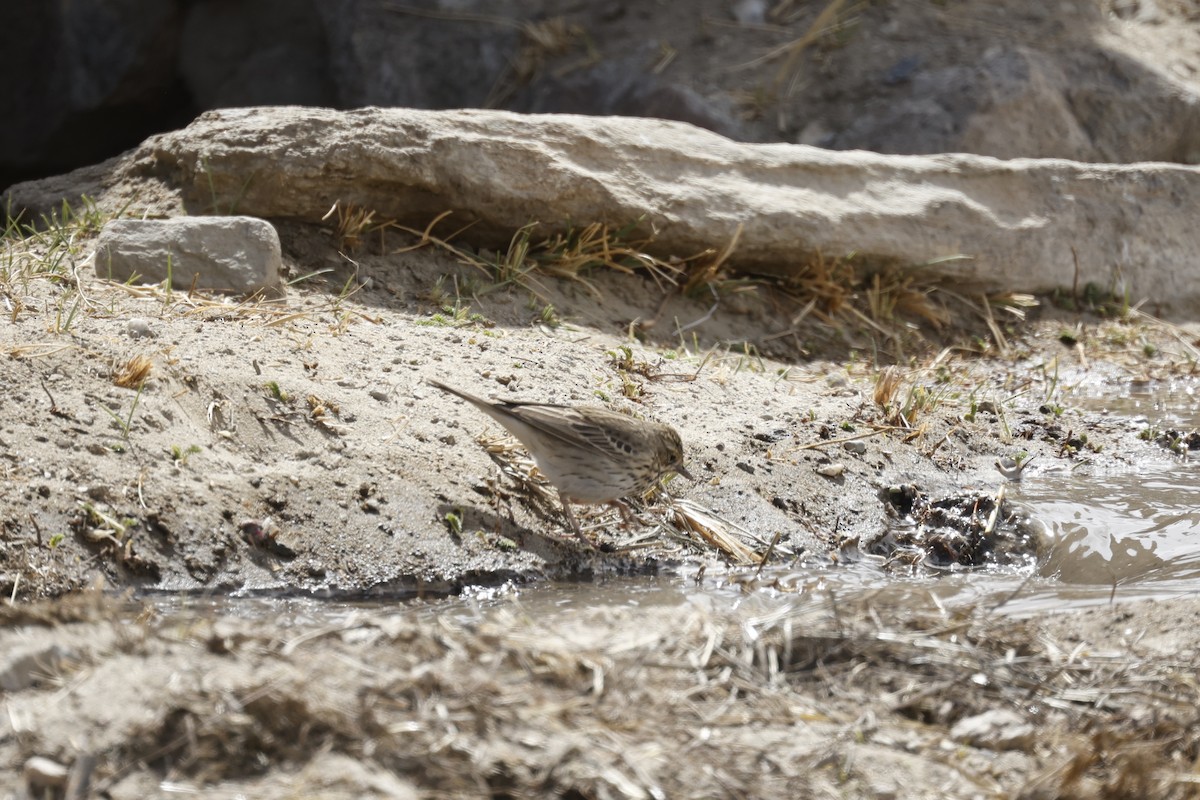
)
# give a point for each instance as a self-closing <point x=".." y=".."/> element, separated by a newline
<point x="831" y="470"/>
<point x="40" y="771"/>
<point x="139" y="328"/>
<point x="998" y="729"/>
<point x="750" y="12"/>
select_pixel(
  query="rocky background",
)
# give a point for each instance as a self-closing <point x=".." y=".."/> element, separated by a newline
<point x="1090" y="80"/>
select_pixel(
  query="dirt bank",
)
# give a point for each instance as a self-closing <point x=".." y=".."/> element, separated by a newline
<point x="172" y="441"/>
<point x="627" y="697"/>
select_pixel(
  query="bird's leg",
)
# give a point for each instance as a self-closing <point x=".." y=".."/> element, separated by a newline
<point x="566" y="504"/>
<point x="626" y="514"/>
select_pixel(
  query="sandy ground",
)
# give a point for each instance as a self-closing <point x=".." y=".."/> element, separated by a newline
<point x="294" y="449"/>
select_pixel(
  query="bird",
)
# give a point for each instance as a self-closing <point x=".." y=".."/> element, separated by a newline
<point x="591" y="455"/>
<point x="1013" y="469"/>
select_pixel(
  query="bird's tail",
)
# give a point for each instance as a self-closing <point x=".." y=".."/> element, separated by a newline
<point x="470" y="398"/>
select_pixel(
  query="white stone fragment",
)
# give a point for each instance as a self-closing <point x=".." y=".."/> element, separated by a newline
<point x="238" y="255"/>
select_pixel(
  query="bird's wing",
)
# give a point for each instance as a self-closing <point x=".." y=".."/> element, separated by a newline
<point x="570" y="427"/>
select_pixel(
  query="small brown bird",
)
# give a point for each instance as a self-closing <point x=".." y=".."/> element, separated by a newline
<point x="591" y="455"/>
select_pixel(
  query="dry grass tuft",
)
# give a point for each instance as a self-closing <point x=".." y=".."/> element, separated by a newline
<point x="823" y="698"/>
<point x="828" y="283"/>
<point x="827" y="25"/>
<point x="577" y="252"/>
<point x="540" y="42"/>
<point x="708" y="270"/>
<point x="889" y="301"/>
<point x="887" y="384"/>
<point x="352" y="224"/>
<point x="571" y="255"/>
<point x="903" y="409"/>
<point x="516" y="465"/>
<point x="133" y="372"/>
<point x="894" y="304"/>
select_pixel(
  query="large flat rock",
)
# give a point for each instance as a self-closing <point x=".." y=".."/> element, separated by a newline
<point x="1024" y="225"/>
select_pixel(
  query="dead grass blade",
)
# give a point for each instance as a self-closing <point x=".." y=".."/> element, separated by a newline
<point x="825" y="23"/>
<point x="722" y="535"/>
<point x="515" y="464"/>
<point x="37" y="350"/>
<point x="706" y="273"/>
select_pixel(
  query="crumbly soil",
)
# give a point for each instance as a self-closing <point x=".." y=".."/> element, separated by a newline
<point x="295" y="448"/>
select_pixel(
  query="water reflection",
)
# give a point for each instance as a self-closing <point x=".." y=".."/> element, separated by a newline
<point x="1135" y="531"/>
<point x="1175" y="403"/>
<point x="1120" y="528"/>
<point x="752" y="596"/>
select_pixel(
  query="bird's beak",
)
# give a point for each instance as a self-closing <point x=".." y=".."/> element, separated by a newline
<point x="683" y="471"/>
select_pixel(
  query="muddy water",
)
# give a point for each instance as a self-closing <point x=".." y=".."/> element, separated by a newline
<point x="1137" y="531"/>
<point x="1116" y="537"/>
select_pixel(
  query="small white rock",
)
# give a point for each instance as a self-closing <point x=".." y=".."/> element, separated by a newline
<point x="139" y="328"/>
<point x="998" y="729"/>
<point x="750" y="12"/>
<point x="237" y="255"/>
<point x="40" y="771"/>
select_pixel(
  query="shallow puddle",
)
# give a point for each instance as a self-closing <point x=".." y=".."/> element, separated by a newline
<point x="1164" y="404"/>
<point x="1137" y="531"/>
<point x="1121" y="529"/>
